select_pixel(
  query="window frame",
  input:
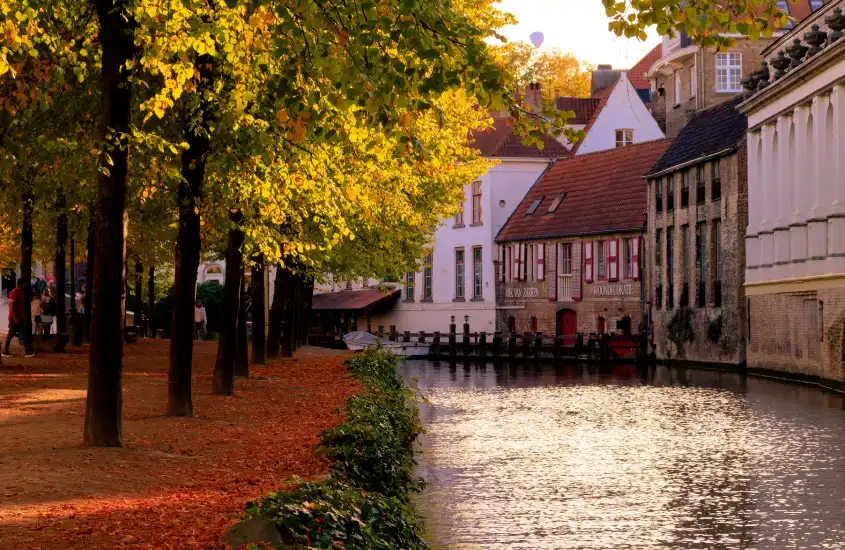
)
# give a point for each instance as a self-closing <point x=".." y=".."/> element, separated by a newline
<point x="566" y="259"/>
<point x="459" y="217"/>
<point x="670" y="193"/>
<point x="677" y="86"/>
<point x="460" y="273"/>
<point x="685" y="177"/>
<point x="556" y="203"/>
<point x="701" y="260"/>
<point x="726" y="67"/>
<point x="601" y="259"/>
<point x="693" y="80"/>
<point x="715" y="180"/>
<point x="534" y="206"/>
<point x="627" y="258"/>
<point x="700" y="185"/>
<point x="624" y="137"/>
<point x="477" y="273"/>
<point x="428" y="277"/>
<point x="477" y="213"/>
<point x="410" y="284"/>
<point x="658" y="195"/>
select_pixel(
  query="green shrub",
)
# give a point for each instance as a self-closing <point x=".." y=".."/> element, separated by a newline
<point x="365" y="503"/>
<point x="331" y="514"/>
<point x="714" y="330"/>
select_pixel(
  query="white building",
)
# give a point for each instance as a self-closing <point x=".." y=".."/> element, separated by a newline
<point x="614" y="117"/>
<point x="795" y="277"/>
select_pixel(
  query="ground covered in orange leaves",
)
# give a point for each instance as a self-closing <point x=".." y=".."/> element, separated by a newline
<point x="177" y="482"/>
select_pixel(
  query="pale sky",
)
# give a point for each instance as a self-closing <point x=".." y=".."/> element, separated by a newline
<point x="575" y="26"/>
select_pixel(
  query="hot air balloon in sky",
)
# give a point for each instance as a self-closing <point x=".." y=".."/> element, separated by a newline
<point x="537" y="39"/>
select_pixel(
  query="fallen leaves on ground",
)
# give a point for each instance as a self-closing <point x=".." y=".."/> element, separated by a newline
<point x="177" y="482"/>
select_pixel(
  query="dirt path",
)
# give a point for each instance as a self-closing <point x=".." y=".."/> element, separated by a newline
<point x="176" y="483"/>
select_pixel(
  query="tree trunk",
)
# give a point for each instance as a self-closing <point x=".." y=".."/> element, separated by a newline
<point x="289" y="331"/>
<point x="139" y="291"/>
<point x="151" y="301"/>
<point x="223" y="381"/>
<point x="242" y="350"/>
<point x="259" y="303"/>
<point x="103" y="408"/>
<point x="188" y="245"/>
<point x="281" y="286"/>
<point x="307" y="300"/>
<point x="61" y="266"/>
<point x="88" y="299"/>
<point x="26" y="271"/>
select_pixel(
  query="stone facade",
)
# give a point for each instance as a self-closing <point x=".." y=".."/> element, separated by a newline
<point x="674" y="116"/>
<point x="718" y="297"/>
<point x="537" y="303"/>
<point x="795" y="278"/>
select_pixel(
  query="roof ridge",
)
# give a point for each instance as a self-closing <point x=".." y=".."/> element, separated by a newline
<point x="608" y="151"/>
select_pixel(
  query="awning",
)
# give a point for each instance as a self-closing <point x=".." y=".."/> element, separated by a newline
<point x="353" y="300"/>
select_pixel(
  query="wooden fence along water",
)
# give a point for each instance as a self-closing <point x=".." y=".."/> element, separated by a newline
<point x="497" y="345"/>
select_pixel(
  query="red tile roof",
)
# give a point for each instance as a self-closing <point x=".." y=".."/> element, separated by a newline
<point x="800" y="10"/>
<point x="637" y="73"/>
<point x="500" y="141"/>
<point x="583" y="107"/>
<point x="351" y="299"/>
<point x="605" y="193"/>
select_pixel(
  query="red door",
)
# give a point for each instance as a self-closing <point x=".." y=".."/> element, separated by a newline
<point x="567" y="322"/>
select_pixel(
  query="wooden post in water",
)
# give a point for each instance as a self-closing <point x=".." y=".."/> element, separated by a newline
<point x="466" y="339"/>
<point x="526" y="345"/>
<point x="497" y="345"/>
<point x="407" y="336"/>
<point x="512" y="345"/>
<point x="556" y="347"/>
<point x="538" y="345"/>
<point x="453" y="344"/>
<point x="482" y="344"/>
<point x="393" y="332"/>
<point x="436" y="343"/>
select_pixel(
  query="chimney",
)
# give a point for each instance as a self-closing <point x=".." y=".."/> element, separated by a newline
<point x="534" y="97"/>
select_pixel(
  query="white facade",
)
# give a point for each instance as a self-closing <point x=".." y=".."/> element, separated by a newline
<point x="623" y="110"/>
<point x="502" y="189"/>
<point x="796" y="154"/>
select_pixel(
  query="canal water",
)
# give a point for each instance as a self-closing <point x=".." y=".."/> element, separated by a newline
<point x="619" y="458"/>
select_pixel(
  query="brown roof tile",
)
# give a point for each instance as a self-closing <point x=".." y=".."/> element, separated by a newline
<point x="637" y="73"/>
<point x="500" y="141"/>
<point x="583" y="107"/>
<point x="604" y="192"/>
<point x="351" y="299"/>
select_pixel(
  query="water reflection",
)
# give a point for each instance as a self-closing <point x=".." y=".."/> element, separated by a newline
<point x="522" y="456"/>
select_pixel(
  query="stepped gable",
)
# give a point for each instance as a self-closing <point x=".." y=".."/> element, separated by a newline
<point x="603" y="192"/>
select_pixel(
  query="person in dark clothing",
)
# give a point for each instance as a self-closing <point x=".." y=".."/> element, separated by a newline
<point x="16" y="317"/>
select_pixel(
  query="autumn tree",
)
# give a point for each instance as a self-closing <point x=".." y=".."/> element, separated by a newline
<point x="558" y="73"/>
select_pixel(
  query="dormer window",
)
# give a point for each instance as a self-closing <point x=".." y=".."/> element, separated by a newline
<point x="534" y="206"/>
<point x="556" y="203"/>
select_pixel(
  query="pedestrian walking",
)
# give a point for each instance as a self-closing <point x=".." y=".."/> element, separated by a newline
<point x="16" y="318"/>
<point x="199" y="321"/>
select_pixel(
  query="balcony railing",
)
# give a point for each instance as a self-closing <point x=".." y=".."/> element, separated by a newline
<point x="565" y="285"/>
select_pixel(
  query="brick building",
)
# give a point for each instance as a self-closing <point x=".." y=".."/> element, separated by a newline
<point x="688" y="78"/>
<point x="697" y="214"/>
<point x="795" y="278"/>
<point x="570" y="255"/>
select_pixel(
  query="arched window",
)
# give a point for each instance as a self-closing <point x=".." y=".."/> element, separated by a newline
<point x="214" y="270"/>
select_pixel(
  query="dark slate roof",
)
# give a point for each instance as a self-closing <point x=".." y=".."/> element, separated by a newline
<point x="711" y="131"/>
<point x="351" y="299"/>
<point x="500" y="141"/>
<point x="605" y="193"/>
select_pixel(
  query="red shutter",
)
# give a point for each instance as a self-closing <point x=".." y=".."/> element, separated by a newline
<point x="613" y="260"/>
<point x="635" y="258"/>
<point x="588" y="261"/>
<point x="541" y="261"/>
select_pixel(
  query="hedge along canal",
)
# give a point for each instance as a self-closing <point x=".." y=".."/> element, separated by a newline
<point x="364" y="504"/>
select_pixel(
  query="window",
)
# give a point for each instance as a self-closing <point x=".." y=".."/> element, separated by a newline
<point x="556" y="203"/>
<point x="670" y="193"/>
<point x="532" y="266"/>
<point x="628" y="258"/>
<point x="728" y="72"/>
<point x="478" y="283"/>
<point x="534" y="206"/>
<point x="601" y="249"/>
<point x="429" y="259"/>
<point x="658" y="261"/>
<point x="715" y="181"/>
<point x="717" y="260"/>
<point x="658" y="247"/>
<point x="685" y="188"/>
<point x="409" y="286"/>
<point x="566" y="259"/>
<point x="693" y="80"/>
<point x="701" y="260"/>
<point x="670" y="268"/>
<point x="684" y="265"/>
<point x="677" y="87"/>
<point x="658" y="194"/>
<point x="700" y="194"/>
<point x="459" y="217"/>
<point x="459" y="273"/>
<point x="624" y="137"/>
<point x="476" y="202"/>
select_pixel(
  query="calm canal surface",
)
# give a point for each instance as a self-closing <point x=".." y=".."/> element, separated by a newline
<point x="569" y="458"/>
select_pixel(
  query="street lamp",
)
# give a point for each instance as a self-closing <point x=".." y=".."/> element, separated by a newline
<point x="453" y="318"/>
<point x="466" y="318"/>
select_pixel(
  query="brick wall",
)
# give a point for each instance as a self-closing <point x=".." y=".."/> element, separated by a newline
<point x="732" y="212"/>
<point x="617" y="300"/>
